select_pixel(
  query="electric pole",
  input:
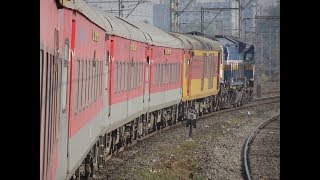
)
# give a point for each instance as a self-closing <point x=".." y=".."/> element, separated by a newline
<point x="239" y="18"/>
<point x="173" y="15"/>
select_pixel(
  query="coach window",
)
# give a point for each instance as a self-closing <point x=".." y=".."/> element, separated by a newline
<point x="83" y="101"/>
<point x="166" y="73"/>
<point x="89" y="82"/>
<point x="161" y="74"/>
<point x="172" y="73"/>
<point x="158" y="74"/>
<point x="85" y="83"/>
<point x="175" y="72"/>
<point x="77" y="87"/>
<point x="175" y="69"/>
<point x="125" y="72"/>
<point x="179" y="72"/>
<point x="100" y="64"/>
<point x="155" y="74"/>
<point x="41" y="71"/>
<point x="137" y="75"/>
<point x="138" y="72"/>
<point x="94" y="79"/>
<point x="119" y="77"/>
<point x="130" y="75"/>
<point x="116" y="81"/>
<point x="81" y="94"/>
<point x="169" y="74"/>
<point x="123" y="77"/>
<point x="140" y="75"/>
<point x="134" y="74"/>
<point x="127" y="75"/>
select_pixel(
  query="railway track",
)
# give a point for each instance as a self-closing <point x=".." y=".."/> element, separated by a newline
<point x="257" y="101"/>
<point x="261" y="152"/>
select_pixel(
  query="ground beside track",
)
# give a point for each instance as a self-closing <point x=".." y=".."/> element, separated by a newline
<point x="215" y="151"/>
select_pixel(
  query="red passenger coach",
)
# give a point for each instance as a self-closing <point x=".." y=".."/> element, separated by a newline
<point x="127" y="50"/>
<point x="165" y="76"/>
<point x="50" y="87"/>
<point x="72" y="57"/>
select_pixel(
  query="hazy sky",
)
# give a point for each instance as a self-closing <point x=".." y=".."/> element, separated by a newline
<point x="144" y="11"/>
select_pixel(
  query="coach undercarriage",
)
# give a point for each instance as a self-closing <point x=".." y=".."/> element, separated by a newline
<point x="145" y="125"/>
<point x="125" y="136"/>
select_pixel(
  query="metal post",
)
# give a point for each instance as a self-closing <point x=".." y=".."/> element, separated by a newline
<point x="270" y="52"/>
<point x="170" y="14"/>
<point x="239" y="18"/>
<point x="259" y="90"/>
<point x="119" y="6"/>
<point x="277" y="48"/>
<point x="245" y="29"/>
<point x="261" y="50"/>
<point x="202" y="21"/>
<point x="190" y="130"/>
<point x="191" y="119"/>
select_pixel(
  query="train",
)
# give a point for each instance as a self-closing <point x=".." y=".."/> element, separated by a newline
<point x="106" y="82"/>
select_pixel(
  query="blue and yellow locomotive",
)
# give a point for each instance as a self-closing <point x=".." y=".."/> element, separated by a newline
<point x="238" y="71"/>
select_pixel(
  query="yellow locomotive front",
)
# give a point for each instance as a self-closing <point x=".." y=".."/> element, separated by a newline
<point x="201" y="73"/>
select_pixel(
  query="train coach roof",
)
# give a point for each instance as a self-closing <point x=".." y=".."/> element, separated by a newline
<point x="188" y="42"/>
<point x="158" y="37"/>
<point x="85" y="9"/>
<point x="209" y="43"/>
<point x="120" y="27"/>
<point x="112" y="25"/>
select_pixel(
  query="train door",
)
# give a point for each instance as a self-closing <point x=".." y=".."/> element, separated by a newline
<point x="107" y="83"/>
<point x="107" y="78"/>
<point x="64" y="123"/>
<point x="66" y="79"/>
<point x="146" y="94"/>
